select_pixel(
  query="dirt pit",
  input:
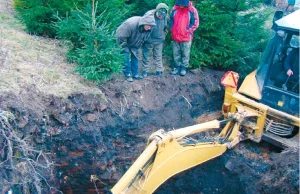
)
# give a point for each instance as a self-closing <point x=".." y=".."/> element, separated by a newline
<point x="101" y="136"/>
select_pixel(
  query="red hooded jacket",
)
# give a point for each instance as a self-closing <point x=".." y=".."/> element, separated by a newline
<point x="183" y="22"/>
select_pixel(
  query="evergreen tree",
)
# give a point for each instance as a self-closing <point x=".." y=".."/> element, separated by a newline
<point x="230" y="35"/>
<point x="95" y="48"/>
<point x="37" y="15"/>
<point x="70" y="27"/>
<point x="142" y="6"/>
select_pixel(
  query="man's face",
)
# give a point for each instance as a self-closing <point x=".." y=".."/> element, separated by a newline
<point x="161" y="13"/>
<point x="147" y="27"/>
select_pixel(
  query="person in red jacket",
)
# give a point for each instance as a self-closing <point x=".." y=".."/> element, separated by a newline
<point x="184" y="20"/>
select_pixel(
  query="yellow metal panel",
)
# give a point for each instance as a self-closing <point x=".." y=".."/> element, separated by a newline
<point x="234" y="132"/>
<point x="225" y="130"/>
<point x="266" y="110"/>
<point x="294" y="120"/>
<point x="214" y="124"/>
<point x="250" y="87"/>
<point x="134" y="179"/>
<point x="175" y="158"/>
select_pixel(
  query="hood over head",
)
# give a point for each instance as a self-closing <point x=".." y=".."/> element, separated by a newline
<point x="184" y="3"/>
<point x="162" y="6"/>
<point x="147" y="19"/>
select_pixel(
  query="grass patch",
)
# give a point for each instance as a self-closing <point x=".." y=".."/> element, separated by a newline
<point x="27" y="60"/>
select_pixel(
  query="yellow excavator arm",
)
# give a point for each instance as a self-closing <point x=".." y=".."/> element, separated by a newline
<point x="169" y="153"/>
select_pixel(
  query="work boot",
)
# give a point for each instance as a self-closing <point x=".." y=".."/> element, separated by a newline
<point x="127" y="75"/>
<point x="182" y="71"/>
<point x="144" y="74"/>
<point x="129" y="79"/>
<point x="137" y="77"/>
<point x="159" y="73"/>
<point x="175" y="71"/>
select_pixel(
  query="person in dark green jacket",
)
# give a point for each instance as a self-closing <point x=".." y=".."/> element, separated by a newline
<point x="152" y="48"/>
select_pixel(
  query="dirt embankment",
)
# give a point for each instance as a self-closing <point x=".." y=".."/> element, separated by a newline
<point x="102" y="135"/>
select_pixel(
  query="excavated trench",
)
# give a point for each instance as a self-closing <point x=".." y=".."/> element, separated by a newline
<point x="110" y="144"/>
<point x="101" y="136"/>
<point x="107" y="152"/>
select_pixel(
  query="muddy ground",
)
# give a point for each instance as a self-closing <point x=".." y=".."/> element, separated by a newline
<point x="102" y="135"/>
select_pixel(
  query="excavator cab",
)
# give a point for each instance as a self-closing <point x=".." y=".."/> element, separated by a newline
<point x="278" y="90"/>
<point x="281" y="91"/>
<point x="272" y="87"/>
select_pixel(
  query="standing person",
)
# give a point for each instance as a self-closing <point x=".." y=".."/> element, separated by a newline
<point x="131" y="34"/>
<point x="154" y="45"/>
<point x="184" y="20"/>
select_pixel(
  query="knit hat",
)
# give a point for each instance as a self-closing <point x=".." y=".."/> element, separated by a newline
<point x="162" y="6"/>
<point x="182" y="3"/>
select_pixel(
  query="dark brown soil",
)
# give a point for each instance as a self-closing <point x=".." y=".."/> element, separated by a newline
<point x="103" y="135"/>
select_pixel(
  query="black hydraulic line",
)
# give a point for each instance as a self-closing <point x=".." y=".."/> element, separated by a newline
<point x="284" y="87"/>
<point x="226" y="121"/>
<point x="209" y="141"/>
<point x="140" y="172"/>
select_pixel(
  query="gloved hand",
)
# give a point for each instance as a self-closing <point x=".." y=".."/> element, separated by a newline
<point x="289" y="72"/>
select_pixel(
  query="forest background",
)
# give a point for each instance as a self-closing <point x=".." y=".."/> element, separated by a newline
<point x="231" y="36"/>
